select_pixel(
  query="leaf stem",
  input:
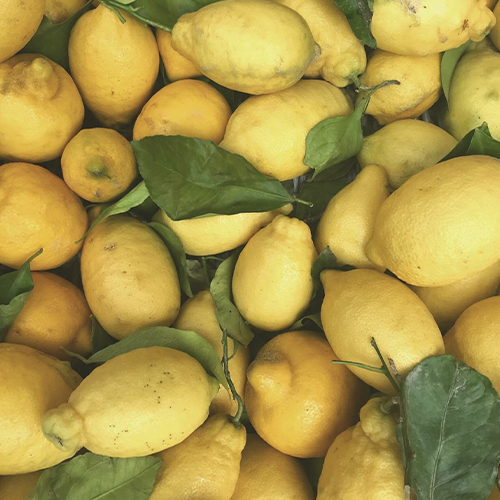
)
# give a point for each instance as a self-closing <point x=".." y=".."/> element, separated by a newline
<point x="359" y="365"/>
<point x="385" y="368"/>
<point x="303" y="202"/>
<point x="225" y="362"/>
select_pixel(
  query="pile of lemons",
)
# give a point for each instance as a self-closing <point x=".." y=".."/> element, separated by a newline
<point x="421" y="239"/>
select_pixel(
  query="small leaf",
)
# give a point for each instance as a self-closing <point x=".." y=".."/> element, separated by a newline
<point x="92" y="477"/>
<point x="189" y="342"/>
<point x="359" y="14"/>
<point x="14" y="290"/>
<point x="450" y="424"/>
<point x="99" y="338"/>
<point x="476" y="142"/>
<point x="325" y="260"/>
<point x="227" y="313"/>
<point x="190" y="177"/>
<point x="449" y="62"/>
<point x="310" y="318"/>
<point x="174" y="246"/>
<point x="51" y="40"/>
<point x="198" y="275"/>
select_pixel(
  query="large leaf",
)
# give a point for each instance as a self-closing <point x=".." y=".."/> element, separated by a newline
<point x="476" y="142"/>
<point x="450" y="431"/>
<point x="190" y="177"/>
<point x="449" y="62"/>
<point x="14" y="290"/>
<point x="94" y="477"/>
<point x="227" y="313"/>
<point x="52" y="40"/>
<point x="359" y="15"/>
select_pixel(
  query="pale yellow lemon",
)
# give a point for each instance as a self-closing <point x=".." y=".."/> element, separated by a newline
<point x="19" y="486"/>
<point x="58" y="11"/>
<point x="495" y="32"/>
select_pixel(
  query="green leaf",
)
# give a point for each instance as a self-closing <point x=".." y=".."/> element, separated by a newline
<point x="359" y="14"/>
<point x="14" y="290"/>
<point x="302" y="322"/>
<point x="161" y="14"/>
<point x="198" y="275"/>
<point x="476" y="142"/>
<point x="189" y="342"/>
<point x="132" y="199"/>
<point x="93" y="477"/>
<point x="176" y="250"/>
<point x="99" y="338"/>
<point x="450" y="428"/>
<point x="52" y="40"/>
<point x="325" y="260"/>
<point x="448" y="64"/>
<point x="227" y="313"/>
<point x="190" y="177"/>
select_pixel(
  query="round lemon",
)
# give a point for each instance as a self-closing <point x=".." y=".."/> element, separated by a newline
<point x="58" y="11"/>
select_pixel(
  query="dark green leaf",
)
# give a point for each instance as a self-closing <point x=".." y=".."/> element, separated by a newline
<point x="198" y="276"/>
<point x="174" y="246"/>
<point x="302" y="322"/>
<point x="228" y="315"/>
<point x="189" y="342"/>
<point x="190" y="177"/>
<point x="14" y="290"/>
<point x="52" y="40"/>
<point x="476" y="142"/>
<point x="94" y="477"/>
<point x="99" y="337"/>
<point x="451" y="427"/>
<point x="325" y="260"/>
<point x="359" y="14"/>
<point x="448" y="64"/>
<point x="161" y="14"/>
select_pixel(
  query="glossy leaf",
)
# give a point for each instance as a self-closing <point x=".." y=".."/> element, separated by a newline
<point x="476" y="142"/>
<point x="449" y="62"/>
<point x="359" y="14"/>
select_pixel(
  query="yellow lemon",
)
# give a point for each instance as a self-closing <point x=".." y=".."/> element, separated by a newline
<point x="58" y="11"/>
<point x="197" y="314"/>
<point x="32" y="383"/>
<point x="420" y="28"/>
<point x="135" y="404"/>
<point x="205" y="466"/>
<point x="368" y="452"/>
<point x="343" y="55"/>
<point x="114" y="64"/>
<point x="447" y="303"/>
<point x="55" y="315"/>
<point x="297" y="401"/>
<point x="419" y="88"/>
<point x="363" y="304"/>
<point x="218" y="233"/>
<point x="272" y="284"/>
<point x="41" y="108"/>
<point x="474" y="338"/>
<point x="270" y="131"/>
<point x="38" y="211"/>
<point x="268" y="474"/>
<point x="405" y="147"/>
<point x="19" y="22"/>
<point x="129" y="277"/>
<point x="18" y="487"/>
<point x="99" y="164"/>
<point x="254" y="46"/>
<point x="442" y="225"/>
<point x="177" y="67"/>
<point x="188" y="107"/>
<point x="495" y="32"/>
<point x="347" y="223"/>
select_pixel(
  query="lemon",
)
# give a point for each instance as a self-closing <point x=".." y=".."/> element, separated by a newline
<point x="347" y="223"/>
<point x="342" y="56"/>
<point x="419" y="88"/>
<point x="474" y="338"/>
<point x="32" y="383"/>
<point x="405" y="147"/>
<point x="176" y="66"/>
<point x="254" y="46"/>
<point x="297" y="401"/>
<point x="495" y="32"/>
<point x="420" y="28"/>
<point x="491" y="4"/>
<point x="55" y="315"/>
<point x="267" y="474"/>
<point x="197" y="314"/>
<point x="272" y="284"/>
<point x="442" y="225"/>
<point x="58" y="11"/>
<point x="114" y="64"/>
<point x="129" y="277"/>
<point x="19" y="22"/>
<point x="41" y="108"/>
<point x="136" y="404"/>
<point x="270" y="131"/>
<point x="363" y="304"/>
<point x="38" y="211"/>
<point x="447" y="303"/>
<point x="368" y="452"/>
<point x="18" y="487"/>
<point x="188" y="107"/>
<point x="205" y="466"/>
<point x="219" y="233"/>
<point x="99" y="164"/>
